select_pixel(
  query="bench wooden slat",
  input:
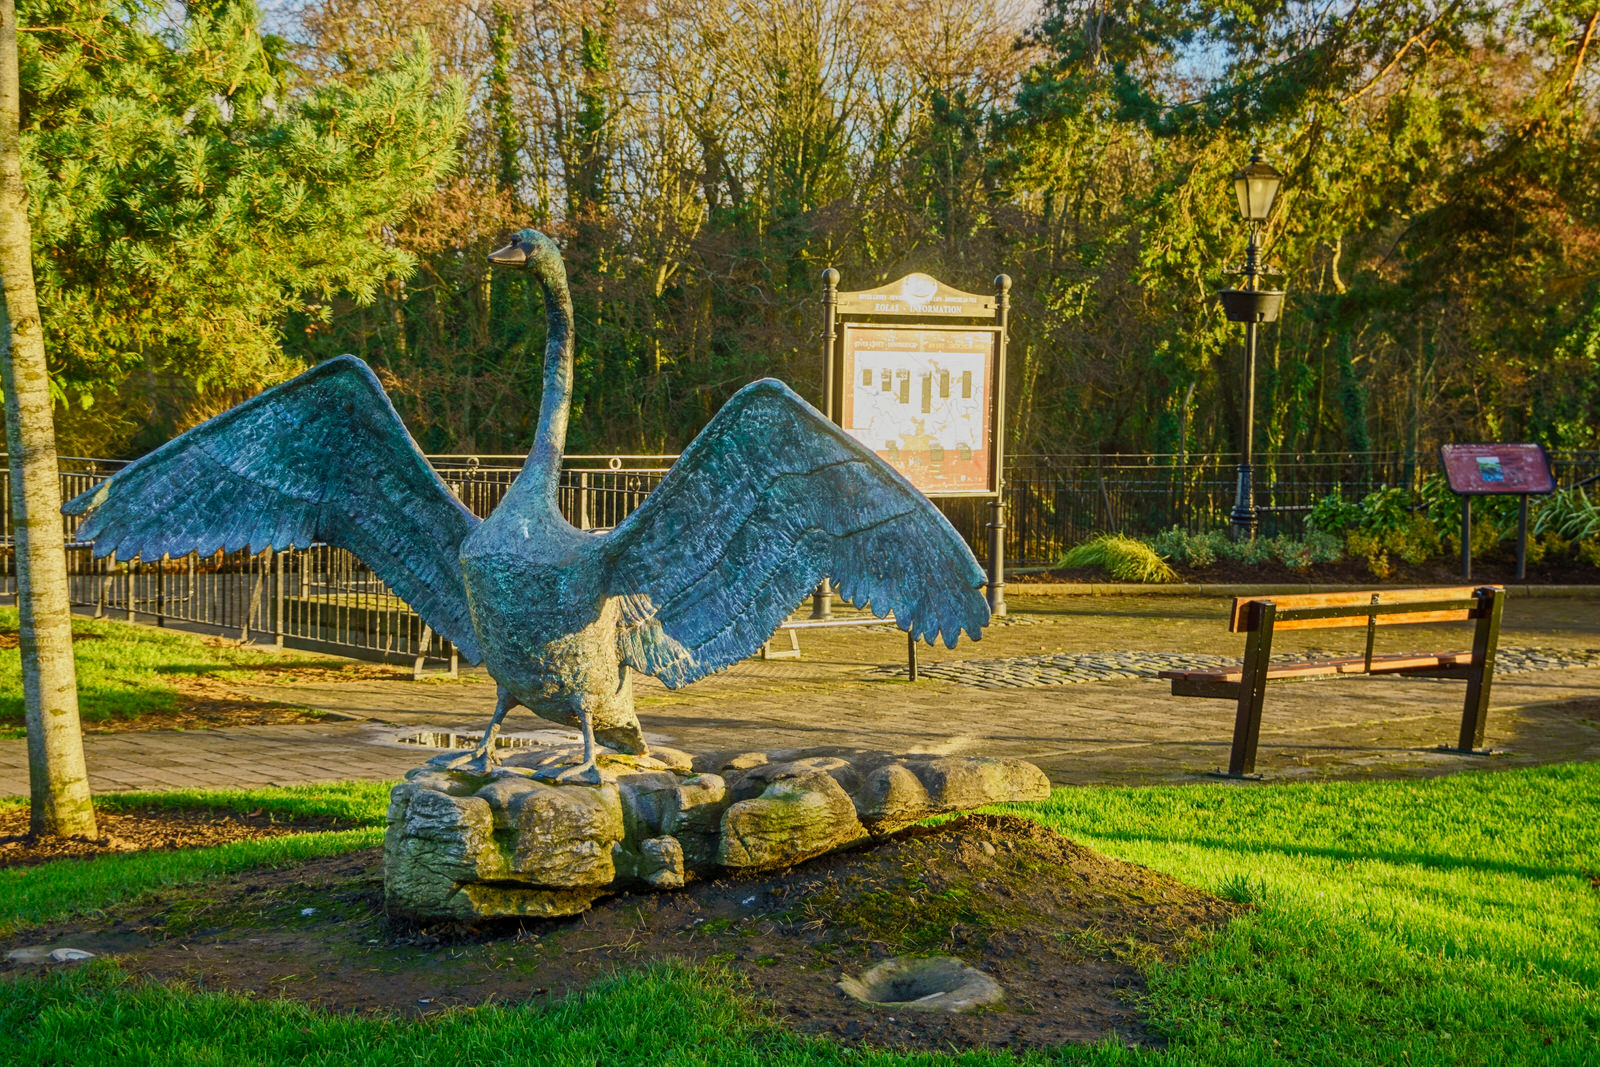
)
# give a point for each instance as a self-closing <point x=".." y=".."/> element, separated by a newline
<point x="1240" y="616"/>
<point x="1388" y="664"/>
<point x="1352" y="621"/>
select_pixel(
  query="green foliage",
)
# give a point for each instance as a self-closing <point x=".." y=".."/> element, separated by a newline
<point x="1124" y="558"/>
<point x="1385" y="510"/>
<point x="189" y="189"/>
<point x="1385" y="526"/>
<point x="1440" y="234"/>
<point x="1442" y="507"/>
<point x="1202" y="550"/>
<point x="1569" y="513"/>
<point x="1192" y="550"/>
<point x="1332" y="514"/>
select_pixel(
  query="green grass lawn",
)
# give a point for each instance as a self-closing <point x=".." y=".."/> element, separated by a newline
<point x="1450" y="921"/>
<point x="128" y="672"/>
<point x="67" y="888"/>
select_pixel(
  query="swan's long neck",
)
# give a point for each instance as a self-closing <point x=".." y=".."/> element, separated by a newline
<point x="540" y="475"/>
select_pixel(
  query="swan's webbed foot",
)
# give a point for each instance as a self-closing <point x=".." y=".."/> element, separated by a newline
<point x="480" y="760"/>
<point x="484" y="758"/>
<point x="586" y="773"/>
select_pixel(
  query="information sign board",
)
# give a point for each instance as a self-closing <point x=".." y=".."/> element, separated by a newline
<point x="916" y="371"/>
<point x="1485" y="470"/>
<point x="923" y="399"/>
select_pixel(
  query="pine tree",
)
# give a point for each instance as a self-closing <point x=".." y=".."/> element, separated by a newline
<point x="191" y="189"/>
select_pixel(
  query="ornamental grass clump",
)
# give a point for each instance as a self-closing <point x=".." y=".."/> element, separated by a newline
<point x="1124" y="558"/>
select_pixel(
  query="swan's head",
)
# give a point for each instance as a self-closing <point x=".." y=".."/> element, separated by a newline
<point x="527" y="249"/>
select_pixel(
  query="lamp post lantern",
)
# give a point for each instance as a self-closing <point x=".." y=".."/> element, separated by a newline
<point x="1256" y="186"/>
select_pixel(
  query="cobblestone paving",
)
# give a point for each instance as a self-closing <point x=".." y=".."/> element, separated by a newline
<point x="1073" y="668"/>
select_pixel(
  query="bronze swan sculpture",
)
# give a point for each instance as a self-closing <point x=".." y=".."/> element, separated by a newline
<point x="767" y="499"/>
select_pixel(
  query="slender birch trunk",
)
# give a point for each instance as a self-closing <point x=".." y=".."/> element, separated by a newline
<point x="56" y="772"/>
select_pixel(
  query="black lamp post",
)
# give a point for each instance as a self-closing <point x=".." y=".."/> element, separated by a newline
<point x="1257" y="187"/>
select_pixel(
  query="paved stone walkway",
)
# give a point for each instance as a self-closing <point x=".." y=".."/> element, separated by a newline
<point x="1074" y="668"/>
<point x="1100" y="730"/>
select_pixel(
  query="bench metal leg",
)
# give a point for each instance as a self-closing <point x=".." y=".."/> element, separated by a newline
<point x="792" y="652"/>
<point x="1485" y="642"/>
<point x="417" y="673"/>
<point x="1252" y="694"/>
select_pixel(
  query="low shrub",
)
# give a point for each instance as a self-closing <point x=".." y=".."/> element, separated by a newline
<point x="1124" y="558"/>
<point x="1202" y="550"/>
<point x="1192" y="550"/>
<point x="1333" y="515"/>
<point x="1569" y="513"/>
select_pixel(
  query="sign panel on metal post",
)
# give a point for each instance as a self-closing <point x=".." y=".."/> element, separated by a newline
<point x="916" y="371"/>
<point x="1485" y="470"/>
<point x="925" y="396"/>
<point x="922" y="399"/>
<point x="1496" y="470"/>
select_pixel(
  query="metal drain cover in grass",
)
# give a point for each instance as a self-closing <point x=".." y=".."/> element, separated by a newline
<point x="933" y="983"/>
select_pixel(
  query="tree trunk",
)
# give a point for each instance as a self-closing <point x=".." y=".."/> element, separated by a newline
<point x="57" y="776"/>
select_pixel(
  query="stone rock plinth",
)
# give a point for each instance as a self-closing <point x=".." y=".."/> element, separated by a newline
<point x="462" y="846"/>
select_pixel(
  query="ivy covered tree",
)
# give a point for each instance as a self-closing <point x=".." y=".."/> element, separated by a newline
<point x="190" y="189"/>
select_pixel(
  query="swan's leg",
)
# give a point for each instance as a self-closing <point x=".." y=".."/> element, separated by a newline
<point x="482" y="758"/>
<point x="585" y="773"/>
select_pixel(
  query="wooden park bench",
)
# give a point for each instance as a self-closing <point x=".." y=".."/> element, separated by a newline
<point x="1260" y="617"/>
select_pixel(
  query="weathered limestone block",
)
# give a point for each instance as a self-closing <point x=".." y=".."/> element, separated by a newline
<point x="559" y="836"/>
<point x="645" y="798"/>
<point x="755" y="780"/>
<point x="663" y="862"/>
<point x="477" y="900"/>
<point x="906" y="790"/>
<point x="893" y="796"/>
<point x="794" y="819"/>
<point x="435" y="843"/>
<point x="693" y="815"/>
<point x="676" y="759"/>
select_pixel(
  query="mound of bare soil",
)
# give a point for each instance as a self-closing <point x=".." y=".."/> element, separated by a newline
<point x="1062" y="928"/>
<point x="150" y="830"/>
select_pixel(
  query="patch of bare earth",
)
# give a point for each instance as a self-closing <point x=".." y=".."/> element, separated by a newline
<point x="1063" y="929"/>
<point x="151" y="830"/>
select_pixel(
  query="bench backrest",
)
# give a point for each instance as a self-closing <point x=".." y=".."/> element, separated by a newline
<point x="1317" y="611"/>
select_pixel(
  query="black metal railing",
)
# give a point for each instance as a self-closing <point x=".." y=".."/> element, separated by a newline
<point x="325" y="598"/>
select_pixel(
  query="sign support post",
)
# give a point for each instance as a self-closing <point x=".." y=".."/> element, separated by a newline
<point x="997" y="506"/>
<point x="822" y="599"/>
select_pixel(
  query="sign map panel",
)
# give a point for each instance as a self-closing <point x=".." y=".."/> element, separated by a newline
<point x="1493" y="469"/>
<point x="922" y="399"/>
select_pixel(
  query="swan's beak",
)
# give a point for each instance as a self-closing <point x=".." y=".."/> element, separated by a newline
<point x="514" y="254"/>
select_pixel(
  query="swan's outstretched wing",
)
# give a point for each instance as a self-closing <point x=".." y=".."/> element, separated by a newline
<point x="320" y="458"/>
<point x="766" y="501"/>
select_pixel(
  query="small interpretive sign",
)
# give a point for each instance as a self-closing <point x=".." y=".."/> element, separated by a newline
<point x="1512" y="469"/>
